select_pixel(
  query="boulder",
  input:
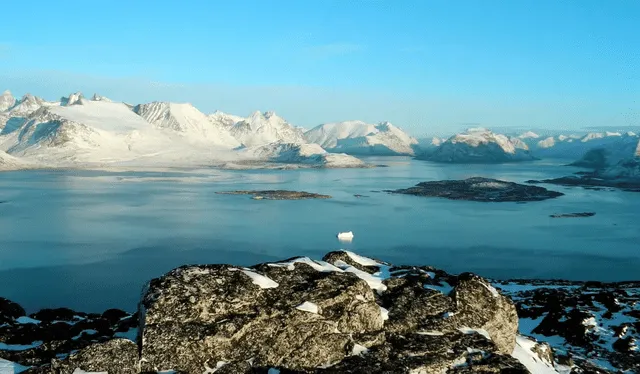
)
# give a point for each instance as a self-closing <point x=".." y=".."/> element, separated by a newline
<point x="275" y="315"/>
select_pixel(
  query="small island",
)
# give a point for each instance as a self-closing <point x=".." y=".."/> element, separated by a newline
<point x="480" y="189"/>
<point x="591" y="181"/>
<point x="573" y="215"/>
<point x="277" y="195"/>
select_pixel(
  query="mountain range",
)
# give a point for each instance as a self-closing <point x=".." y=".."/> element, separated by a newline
<point x="76" y="131"/>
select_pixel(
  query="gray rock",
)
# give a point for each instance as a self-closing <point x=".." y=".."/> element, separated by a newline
<point x="194" y="317"/>
<point x="117" y="356"/>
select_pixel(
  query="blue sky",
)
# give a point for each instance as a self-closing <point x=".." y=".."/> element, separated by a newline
<point x="425" y="65"/>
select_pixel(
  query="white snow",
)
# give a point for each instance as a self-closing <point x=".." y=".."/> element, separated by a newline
<point x="321" y="266"/>
<point x="431" y="333"/>
<point x="260" y="280"/>
<point x="308" y="307"/>
<point x="311" y="154"/>
<point x="364" y="261"/>
<point x="264" y="128"/>
<point x="8" y="367"/>
<point x="491" y="289"/>
<point x="445" y="288"/>
<point x="467" y="330"/>
<point x="359" y="349"/>
<point x="25" y="319"/>
<point x="529" y="135"/>
<point x="6" y="101"/>
<point x="530" y="359"/>
<point x="347" y="236"/>
<point x="19" y="347"/>
<point x="480" y="145"/>
<point x="80" y="371"/>
<point x="384" y="313"/>
<point x="359" y="138"/>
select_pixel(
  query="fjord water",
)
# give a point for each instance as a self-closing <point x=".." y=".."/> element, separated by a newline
<point x="89" y="240"/>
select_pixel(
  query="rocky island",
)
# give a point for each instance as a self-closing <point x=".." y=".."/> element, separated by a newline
<point x="344" y="314"/>
<point x="573" y="215"/>
<point x="277" y="195"/>
<point x="480" y="189"/>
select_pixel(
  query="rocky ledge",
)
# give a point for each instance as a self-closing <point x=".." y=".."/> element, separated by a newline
<point x="277" y="195"/>
<point x="344" y="314"/>
<point x="480" y="189"/>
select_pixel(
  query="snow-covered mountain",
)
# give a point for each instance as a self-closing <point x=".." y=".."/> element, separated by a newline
<point x="8" y="162"/>
<point x="294" y="153"/>
<point x="7" y="101"/>
<point x="598" y="149"/>
<point x="479" y="145"/>
<point x="529" y="135"/>
<point x="78" y="132"/>
<point x="186" y="120"/>
<point x="264" y="128"/>
<point x="224" y="120"/>
<point x="360" y="138"/>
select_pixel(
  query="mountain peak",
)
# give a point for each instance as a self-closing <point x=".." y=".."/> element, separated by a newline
<point x="7" y="101"/>
<point x="72" y="99"/>
<point x="269" y="114"/>
<point x="97" y="97"/>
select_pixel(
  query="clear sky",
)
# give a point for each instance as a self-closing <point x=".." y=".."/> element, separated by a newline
<point x="424" y="65"/>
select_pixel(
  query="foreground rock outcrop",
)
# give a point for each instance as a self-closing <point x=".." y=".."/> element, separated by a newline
<point x="344" y="314"/>
<point x="480" y="189"/>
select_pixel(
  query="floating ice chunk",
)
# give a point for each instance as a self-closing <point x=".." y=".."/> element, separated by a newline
<point x="467" y="330"/>
<point x="11" y="367"/>
<point x="384" y="313"/>
<point x="364" y="261"/>
<point x="359" y="349"/>
<point x="346" y="236"/>
<point x="308" y="307"/>
<point x="523" y="353"/>
<point x="25" y="320"/>
<point x="260" y="280"/>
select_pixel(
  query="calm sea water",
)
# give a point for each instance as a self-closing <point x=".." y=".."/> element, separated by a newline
<point x="90" y="240"/>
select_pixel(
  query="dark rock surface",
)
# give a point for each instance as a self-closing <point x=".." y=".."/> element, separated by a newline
<point x="480" y="189"/>
<point x="584" y="320"/>
<point x="277" y="195"/>
<point x="573" y="215"/>
<point x="345" y="314"/>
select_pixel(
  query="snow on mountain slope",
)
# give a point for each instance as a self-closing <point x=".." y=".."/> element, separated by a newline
<point x="186" y="120"/>
<point x="73" y="99"/>
<point x="529" y="135"/>
<point x="360" y="138"/>
<point x="294" y="153"/>
<point x="7" y="101"/>
<point x="480" y="145"/>
<point x="8" y="162"/>
<point x="610" y="147"/>
<point x="265" y="128"/>
<point x="28" y="104"/>
<point x="97" y="97"/>
<point x="224" y="120"/>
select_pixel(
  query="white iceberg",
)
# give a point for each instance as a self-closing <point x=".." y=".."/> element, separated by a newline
<point x="346" y="236"/>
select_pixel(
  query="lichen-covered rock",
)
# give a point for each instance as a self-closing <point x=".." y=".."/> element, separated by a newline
<point x="117" y="356"/>
<point x="275" y="315"/>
